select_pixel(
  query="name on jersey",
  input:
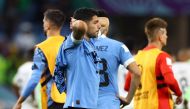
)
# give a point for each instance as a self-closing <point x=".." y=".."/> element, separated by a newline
<point x="102" y="48"/>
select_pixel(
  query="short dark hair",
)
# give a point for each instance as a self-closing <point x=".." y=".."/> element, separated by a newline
<point x="154" y="24"/>
<point x="55" y="16"/>
<point x="102" y="13"/>
<point x="84" y="14"/>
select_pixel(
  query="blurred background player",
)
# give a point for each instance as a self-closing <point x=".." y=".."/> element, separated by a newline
<point x="44" y="62"/>
<point x="157" y="79"/>
<point x="112" y="54"/>
<point x="78" y="58"/>
<point x="20" y="80"/>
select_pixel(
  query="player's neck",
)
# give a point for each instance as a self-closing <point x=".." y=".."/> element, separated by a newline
<point x="52" y="33"/>
<point x="156" y="44"/>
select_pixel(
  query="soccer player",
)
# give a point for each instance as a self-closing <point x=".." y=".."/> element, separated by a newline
<point x="157" y="79"/>
<point x="44" y="63"/>
<point x="112" y="54"/>
<point x="77" y="60"/>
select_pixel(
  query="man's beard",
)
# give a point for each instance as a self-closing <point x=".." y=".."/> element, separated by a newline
<point x="92" y="35"/>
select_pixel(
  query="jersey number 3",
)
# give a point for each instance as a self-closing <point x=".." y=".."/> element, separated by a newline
<point x="104" y="73"/>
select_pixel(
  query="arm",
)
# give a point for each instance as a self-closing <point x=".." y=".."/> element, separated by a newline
<point x="165" y="65"/>
<point x="37" y="68"/>
<point x="135" y="80"/>
<point x="128" y="61"/>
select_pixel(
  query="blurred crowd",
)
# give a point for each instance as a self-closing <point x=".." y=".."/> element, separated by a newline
<point x="20" y="30"/>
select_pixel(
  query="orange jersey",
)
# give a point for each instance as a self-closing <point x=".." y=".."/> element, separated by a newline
<point x="157" y="80"/>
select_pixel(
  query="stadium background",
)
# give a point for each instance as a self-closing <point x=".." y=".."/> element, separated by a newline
<point x="21" y="29"/>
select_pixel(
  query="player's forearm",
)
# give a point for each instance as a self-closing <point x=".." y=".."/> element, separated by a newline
<point x="79" y="29"/>
<point x="172" y="83"/>
<point x="32" y="83"/>
<point x="20" y="100"/>
<point x="29" y="89"/>
<point x="135" y="71"/>
<point x="135" y="81"/>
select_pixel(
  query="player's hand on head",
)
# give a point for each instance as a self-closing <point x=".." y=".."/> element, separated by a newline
<point x="78" y="23"/>
<point x="80" y="26"/>
<point x="79" y="29"/>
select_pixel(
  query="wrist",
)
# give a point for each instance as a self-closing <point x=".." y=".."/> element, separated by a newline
<point x="20" y="100"/>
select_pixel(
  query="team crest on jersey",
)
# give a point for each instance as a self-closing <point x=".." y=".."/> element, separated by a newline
<point x="168" y="61"/>
<point x="102" y="48"/>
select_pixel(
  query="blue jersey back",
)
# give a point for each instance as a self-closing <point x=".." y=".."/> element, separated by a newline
<point x="112" y="54"/>
<point x="82" y="77"/>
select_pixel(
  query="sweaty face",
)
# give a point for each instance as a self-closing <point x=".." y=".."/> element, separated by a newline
<point x="93" y="27"/>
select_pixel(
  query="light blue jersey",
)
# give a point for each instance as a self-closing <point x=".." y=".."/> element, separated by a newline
<point x="112" y="53"/>
<point x="82" y="77"/>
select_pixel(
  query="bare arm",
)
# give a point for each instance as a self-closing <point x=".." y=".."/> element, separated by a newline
<point x="135" y="81"/>
<point x="19" y="103"/>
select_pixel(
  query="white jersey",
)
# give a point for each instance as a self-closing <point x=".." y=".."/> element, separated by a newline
<point x="21" y="79"/>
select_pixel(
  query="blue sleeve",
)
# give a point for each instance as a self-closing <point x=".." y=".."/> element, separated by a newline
<point x="38" y="67"/>
<point x="59" y="72"/>
<point x="125" y="56"/>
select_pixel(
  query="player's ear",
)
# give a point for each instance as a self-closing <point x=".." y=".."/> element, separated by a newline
<point x="48" y="26"/>
<point x="159" y="35"/>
